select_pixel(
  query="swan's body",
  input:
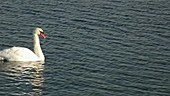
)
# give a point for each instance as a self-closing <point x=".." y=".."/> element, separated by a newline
<point x="25" y="54"/>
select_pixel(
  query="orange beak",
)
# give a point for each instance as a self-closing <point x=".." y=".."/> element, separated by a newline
<point x="42" y="35"/>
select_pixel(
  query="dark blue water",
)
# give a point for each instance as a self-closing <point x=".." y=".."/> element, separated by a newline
<point x="93" y="47"/>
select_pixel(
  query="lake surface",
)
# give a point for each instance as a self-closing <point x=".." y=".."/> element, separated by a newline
<point x="93" y="47"/>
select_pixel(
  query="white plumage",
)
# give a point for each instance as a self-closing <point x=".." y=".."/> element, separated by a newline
<point x="25" y="54"/>
<point x="18" y="54"/>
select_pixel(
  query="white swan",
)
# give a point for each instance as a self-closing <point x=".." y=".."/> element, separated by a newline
<point x="25" y="54"/>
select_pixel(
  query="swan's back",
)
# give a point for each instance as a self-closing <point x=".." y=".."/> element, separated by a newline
<point x="18" y="54"/>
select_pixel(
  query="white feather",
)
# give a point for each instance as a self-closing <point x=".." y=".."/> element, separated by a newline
<point x="24" y="54"/>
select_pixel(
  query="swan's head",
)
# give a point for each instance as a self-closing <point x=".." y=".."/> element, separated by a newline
<point x="40" y="32"/>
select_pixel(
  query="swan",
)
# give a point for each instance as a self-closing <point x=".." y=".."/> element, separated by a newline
<point x="25" y="54"/>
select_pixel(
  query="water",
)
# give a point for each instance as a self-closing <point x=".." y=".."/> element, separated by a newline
<point x="93" y="47"/>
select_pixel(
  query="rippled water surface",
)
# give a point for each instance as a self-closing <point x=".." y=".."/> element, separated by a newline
<point x="93" y="47"/>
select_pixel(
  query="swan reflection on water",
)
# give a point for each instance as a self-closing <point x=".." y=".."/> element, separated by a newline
<point x="22" y="78"/>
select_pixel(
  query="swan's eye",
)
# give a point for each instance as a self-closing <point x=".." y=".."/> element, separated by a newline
<point x="41" y="32"/>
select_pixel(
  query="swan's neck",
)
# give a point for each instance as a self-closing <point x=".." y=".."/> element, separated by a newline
<point x="37" y="48"/>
